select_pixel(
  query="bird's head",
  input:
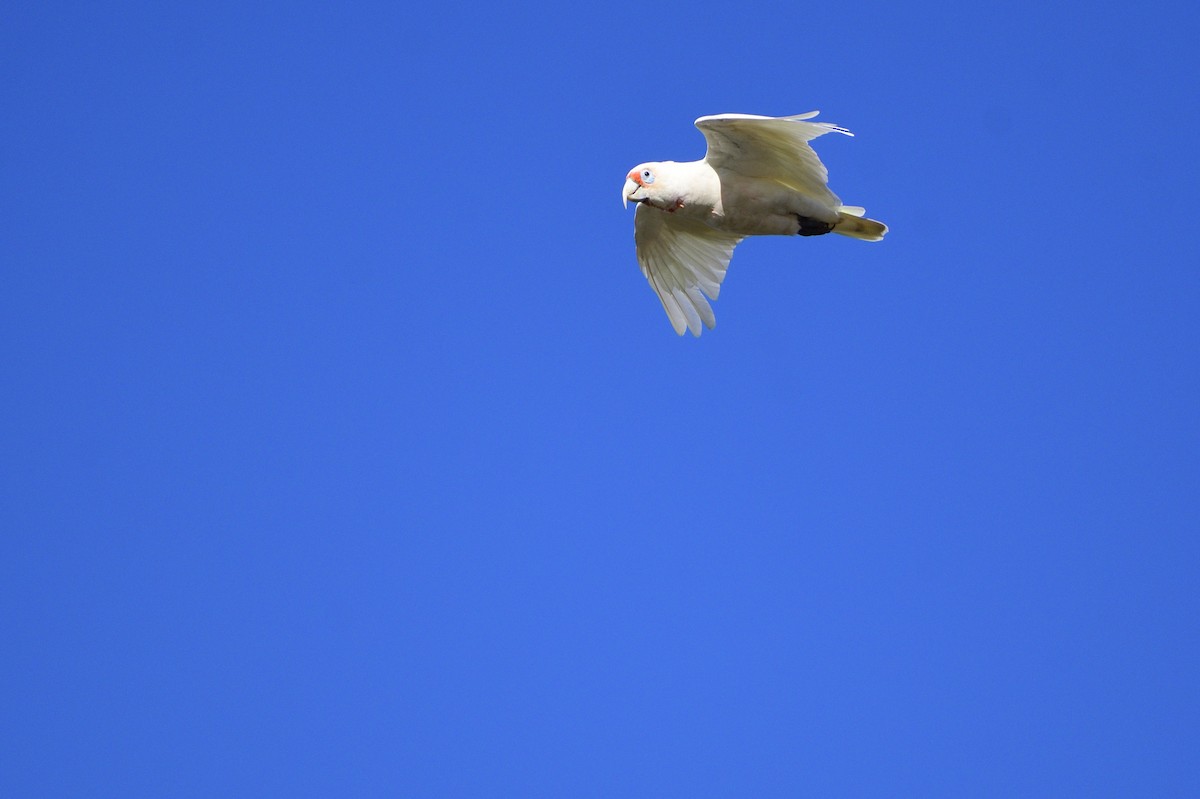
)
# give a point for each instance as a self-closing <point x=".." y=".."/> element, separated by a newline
<point x="640" y="184"/>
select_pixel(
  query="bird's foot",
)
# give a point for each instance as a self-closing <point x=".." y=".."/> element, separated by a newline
<point x="813" y="227"/>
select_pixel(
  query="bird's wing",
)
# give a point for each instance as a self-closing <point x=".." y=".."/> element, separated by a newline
<point x="771" y="147"/>
<point x="684" y="260"/>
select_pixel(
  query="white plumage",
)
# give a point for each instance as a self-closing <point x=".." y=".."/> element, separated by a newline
<point x="759" y="177"/>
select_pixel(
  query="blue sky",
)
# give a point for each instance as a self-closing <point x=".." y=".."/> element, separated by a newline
<point x="348" y="453"/>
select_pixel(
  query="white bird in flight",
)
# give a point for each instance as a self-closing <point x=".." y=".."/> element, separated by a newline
<point x="759" y="178"/>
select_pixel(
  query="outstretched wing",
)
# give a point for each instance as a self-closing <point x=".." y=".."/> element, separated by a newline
<point x="684" y="260"/>
<point x="771" y="147"/>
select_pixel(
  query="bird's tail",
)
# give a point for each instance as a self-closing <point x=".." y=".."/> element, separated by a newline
<point x="852" y="223"/>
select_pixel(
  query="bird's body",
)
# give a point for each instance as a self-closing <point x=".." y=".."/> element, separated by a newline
<point x="759" y="178"/>
<point x="735" y="204"/>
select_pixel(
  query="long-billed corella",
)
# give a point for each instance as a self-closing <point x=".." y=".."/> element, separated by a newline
<point x="759" y="177"/>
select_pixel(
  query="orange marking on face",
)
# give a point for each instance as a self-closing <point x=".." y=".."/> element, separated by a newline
<point x="636" y="177"/>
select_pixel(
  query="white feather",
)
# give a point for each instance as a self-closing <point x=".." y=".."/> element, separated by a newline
<point x="684" y="260"/>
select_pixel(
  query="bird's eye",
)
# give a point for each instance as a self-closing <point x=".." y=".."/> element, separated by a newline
<point x="647" y="176"/>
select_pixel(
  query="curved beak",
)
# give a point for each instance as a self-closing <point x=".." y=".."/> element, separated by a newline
<point x="631" y="188"/>
<point x="626" y="193"/>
